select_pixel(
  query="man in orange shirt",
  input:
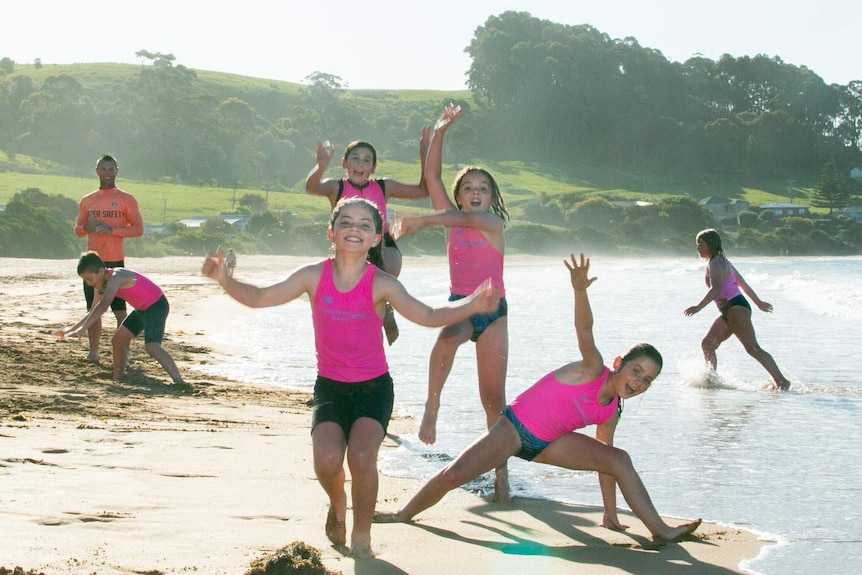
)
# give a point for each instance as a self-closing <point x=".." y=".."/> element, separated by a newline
<point x="107" y="216"/>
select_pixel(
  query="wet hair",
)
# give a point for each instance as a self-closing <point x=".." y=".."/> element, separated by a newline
<point x="107" y="158"/>
<point x="360" y="144"/>
<point x="639" y="350"/>
<point x="90" y="262"/>
<point x="498" y="204"/>
<point x="375" y="254"/>
<point x="642" y="350"/>
<point x="712" y="240"/>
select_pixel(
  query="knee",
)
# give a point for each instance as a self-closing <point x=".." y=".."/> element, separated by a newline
<point x="152" y="349"/>
<point x="327" y="464"/>
<point x="361" y="460"/>
<point x="450" y="478"/>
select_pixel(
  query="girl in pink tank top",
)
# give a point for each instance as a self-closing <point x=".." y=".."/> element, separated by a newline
<point x="475" y="244"/>
<point x="360" y="164"/>
<point x="353" y="393"/>
<point x="538" y="425"/>
<point x="725" y="282"/>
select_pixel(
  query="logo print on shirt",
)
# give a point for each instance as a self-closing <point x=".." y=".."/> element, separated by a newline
<point x="328" y="299"/>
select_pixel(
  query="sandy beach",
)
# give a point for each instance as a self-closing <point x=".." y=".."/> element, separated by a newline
<point x="99" y="477"/>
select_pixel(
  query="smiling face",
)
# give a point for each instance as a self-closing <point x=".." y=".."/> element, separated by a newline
<point x="474" y="193"/>
<point x="359" y="163"/>
<point x="354" y="226"/>
<point x="634" y="376"/>
<point x="107" y="172"/>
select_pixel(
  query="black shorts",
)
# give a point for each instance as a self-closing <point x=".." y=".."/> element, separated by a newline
<point x="345" y="403"/>
<point x="151" y="321"/>
<point x="734" y="301"/>
<point x="117" y="304"/>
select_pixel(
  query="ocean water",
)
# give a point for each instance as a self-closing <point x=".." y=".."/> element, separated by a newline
<point x="787" y="466"/>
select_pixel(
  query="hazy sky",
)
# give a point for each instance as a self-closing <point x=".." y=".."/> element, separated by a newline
<point x="402" y="44"/>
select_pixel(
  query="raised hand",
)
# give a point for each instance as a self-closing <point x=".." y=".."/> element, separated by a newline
<point x="214" y="266"/>
<point x="579" y="272"/>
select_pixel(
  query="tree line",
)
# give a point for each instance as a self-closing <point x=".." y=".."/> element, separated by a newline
<point x="539" y="92"/>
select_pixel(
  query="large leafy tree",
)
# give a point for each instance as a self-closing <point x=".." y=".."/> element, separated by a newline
<point x="832" y="192"/>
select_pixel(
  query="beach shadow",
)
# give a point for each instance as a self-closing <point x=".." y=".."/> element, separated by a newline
<point x="374" y="566"/>
<point x="642" y="555"/>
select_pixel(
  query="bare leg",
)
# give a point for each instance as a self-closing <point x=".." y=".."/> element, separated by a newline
<point x="366" y="435"/>
<point x="329" y="448"/>
<point x="392" y="265"/>
<point x="120" y="345"/>
<point x="739" y="322"/>
<point x="157" y="352"/>
<point x="717" y="334"/>
<point x="492" y="355"/>
<point x="578" y="451"/>
<point x="490" y="451"/>
<point x="439" y="366"/>
<point x="94" y="334"/>
<point x="120" y="314"/>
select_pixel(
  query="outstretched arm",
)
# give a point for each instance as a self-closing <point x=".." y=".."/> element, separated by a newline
<point x="716" y="278"/>
<point x="412" y="191"/>
<point x="579" y="272"/>
<point x="749" y="291"/>
<point x="484" y="299"/>
<point x="100" y="305"/>
<point x="434" y="162"/>
<point x="607" y="483"/>
<point x="313" y="184"/>
<point x="299" y="282"/>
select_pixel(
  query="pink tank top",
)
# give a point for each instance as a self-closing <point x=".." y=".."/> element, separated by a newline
<point x="550" y="409"/>
<point x="141" y="295"/>
<point x="472" y="260"/>
<point x="729" y="287"/>
<point x="373" y="192"/>
<point x="348" y="333"/>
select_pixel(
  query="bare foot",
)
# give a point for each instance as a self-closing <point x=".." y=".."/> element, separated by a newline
<point x="428" y="428"/>
<point x="93" y="359"/>
<point x="774" y="386"/>
<point x="501" y="485"/>
<point x="361" y="550"/>
<point x="387" y="518"/>
<point x="360" y="545"/>
<point x="680" y="531"/>
<point x="336" y="531"/>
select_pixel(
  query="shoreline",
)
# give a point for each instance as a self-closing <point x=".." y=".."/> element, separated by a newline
<point x="110" y="478"/>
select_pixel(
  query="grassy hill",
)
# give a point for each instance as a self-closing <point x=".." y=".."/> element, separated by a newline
<point x="520" y="182"/>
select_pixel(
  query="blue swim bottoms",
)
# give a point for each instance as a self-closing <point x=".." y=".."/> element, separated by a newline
<point x="531" y="446"/>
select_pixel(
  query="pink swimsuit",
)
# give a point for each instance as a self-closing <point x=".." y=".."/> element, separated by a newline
<point x="550" y="409"/>
<point x="142" y="294"/>
<point x="373" y="192"/>
<point x="347" y="330"/>
<point x="472" y="260"/>
<point x="729" y="287"/>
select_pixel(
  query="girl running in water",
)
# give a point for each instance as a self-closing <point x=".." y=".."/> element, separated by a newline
<point x="724" y="283"/>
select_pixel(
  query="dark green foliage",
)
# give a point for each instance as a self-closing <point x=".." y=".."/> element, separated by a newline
<point x="35" y="225"/>
<point x="298" y="558"/>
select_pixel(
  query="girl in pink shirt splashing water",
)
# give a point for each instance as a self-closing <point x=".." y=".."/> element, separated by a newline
<point x="353" y="393"/>
<point x="539" y="425"/>
<point x="724" y="282"/>
<point x="475" y="244"/>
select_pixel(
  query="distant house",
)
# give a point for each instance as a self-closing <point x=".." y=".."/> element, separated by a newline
<point x="724" y="209"/>
<point x="238" y="221"/>
<point x="785" y="209"/>
<point x="852" y="212"/>
<point x="856" y="173"/>
<point x="632" y="203"/>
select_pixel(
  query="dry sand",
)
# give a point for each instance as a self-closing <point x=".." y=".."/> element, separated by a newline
<point x="98" y="477"/>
